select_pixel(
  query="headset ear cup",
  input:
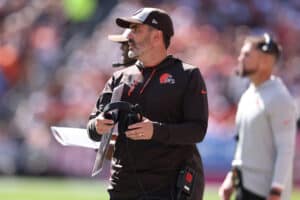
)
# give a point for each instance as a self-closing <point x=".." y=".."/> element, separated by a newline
<point x="269" y="45"/>
<point x="114" y="116"/>
<point x="124" y="113"/>
<point x="137" y="109"/>
<point x="109" y="115"/>
<point x="265" y="48"/>
<point x="123" y="122"/>
<point x="112" y="110"/>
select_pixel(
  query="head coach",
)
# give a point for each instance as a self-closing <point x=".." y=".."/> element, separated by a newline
<point x="156" y="158"/>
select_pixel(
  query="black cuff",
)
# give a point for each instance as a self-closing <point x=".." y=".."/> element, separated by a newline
<point x="160" y="132"/>
<point x="275" y="192"/>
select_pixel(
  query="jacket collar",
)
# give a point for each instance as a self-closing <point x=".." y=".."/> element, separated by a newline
<point x="164" y="63"/>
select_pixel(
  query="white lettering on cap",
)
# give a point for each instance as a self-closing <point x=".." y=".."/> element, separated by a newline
<point x="142" y="14"/>
<point x="154" y="21"/>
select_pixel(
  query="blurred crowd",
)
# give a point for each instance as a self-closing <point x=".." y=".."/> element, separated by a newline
<point x="55" y="58"/>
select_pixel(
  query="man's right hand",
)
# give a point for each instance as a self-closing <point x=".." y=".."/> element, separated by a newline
<point x="103" y="125"/>
<point x="226" y="188"/>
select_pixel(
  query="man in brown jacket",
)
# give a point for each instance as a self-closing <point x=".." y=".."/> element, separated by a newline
<point x="156" y="158"/>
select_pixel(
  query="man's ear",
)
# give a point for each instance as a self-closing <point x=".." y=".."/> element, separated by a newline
<point x="158" y="36"/>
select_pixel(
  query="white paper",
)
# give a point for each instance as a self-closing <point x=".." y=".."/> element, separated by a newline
<point x="73" y="137"/>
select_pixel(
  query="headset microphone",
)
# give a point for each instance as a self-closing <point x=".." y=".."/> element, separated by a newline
<point x="131" y="54"/>
<point x="117" y="64"/>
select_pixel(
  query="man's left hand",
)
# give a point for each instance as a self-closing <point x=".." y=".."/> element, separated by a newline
<point x="141" y="130"/>
<point x="273" y="197"/>
<point x="275" y="193"/>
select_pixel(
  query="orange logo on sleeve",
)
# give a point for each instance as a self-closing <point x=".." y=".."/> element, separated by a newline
<point x="203" y="91"/>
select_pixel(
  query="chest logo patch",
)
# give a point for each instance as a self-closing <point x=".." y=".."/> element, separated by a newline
<point x="166" y="78"/>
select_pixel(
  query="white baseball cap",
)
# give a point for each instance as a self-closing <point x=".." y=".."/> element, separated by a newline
<point x="120" y="37"/>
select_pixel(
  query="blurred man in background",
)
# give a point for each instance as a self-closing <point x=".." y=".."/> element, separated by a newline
<point x="156" y="158"/>
<point x="266" y="123"/>
<point x="123" y="40"/>
<point x="125" y="62"/>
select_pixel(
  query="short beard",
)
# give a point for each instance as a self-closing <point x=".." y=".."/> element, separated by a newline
<point x="131" y="54"/>
<point x="246" y="73"/>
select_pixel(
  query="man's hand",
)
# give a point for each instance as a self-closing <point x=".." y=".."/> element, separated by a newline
<point x="275" y="193"/>
<point x="273" y="197"/>
<point x="141" y="130"/>
<point x="103" y="125"/>
<point x="226" y="188"/>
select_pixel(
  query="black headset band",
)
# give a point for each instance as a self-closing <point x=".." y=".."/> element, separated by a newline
<point x="118" y="105"/>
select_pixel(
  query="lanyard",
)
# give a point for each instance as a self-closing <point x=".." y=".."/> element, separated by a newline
<point x="148" y="80"/>
<point x="144" y="86"/>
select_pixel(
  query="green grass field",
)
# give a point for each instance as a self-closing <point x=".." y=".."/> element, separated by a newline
<point x="65" y="189"/>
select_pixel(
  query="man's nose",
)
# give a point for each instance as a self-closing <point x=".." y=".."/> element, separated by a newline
<point x="240" y="58"/>
<point x="130" y="35"/>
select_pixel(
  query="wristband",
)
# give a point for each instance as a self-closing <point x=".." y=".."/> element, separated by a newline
<point x="275" y="192"/>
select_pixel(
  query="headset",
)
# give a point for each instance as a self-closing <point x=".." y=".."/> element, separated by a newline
<point x="124" y="113"/>
<point x="269" y="46"/>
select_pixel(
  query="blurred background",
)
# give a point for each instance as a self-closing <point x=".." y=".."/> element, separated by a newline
<point x="55" y="59"/>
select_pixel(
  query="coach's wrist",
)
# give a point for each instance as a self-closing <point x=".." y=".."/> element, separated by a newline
<point x="160" y="132"/>
<point x="275" y="192"/>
